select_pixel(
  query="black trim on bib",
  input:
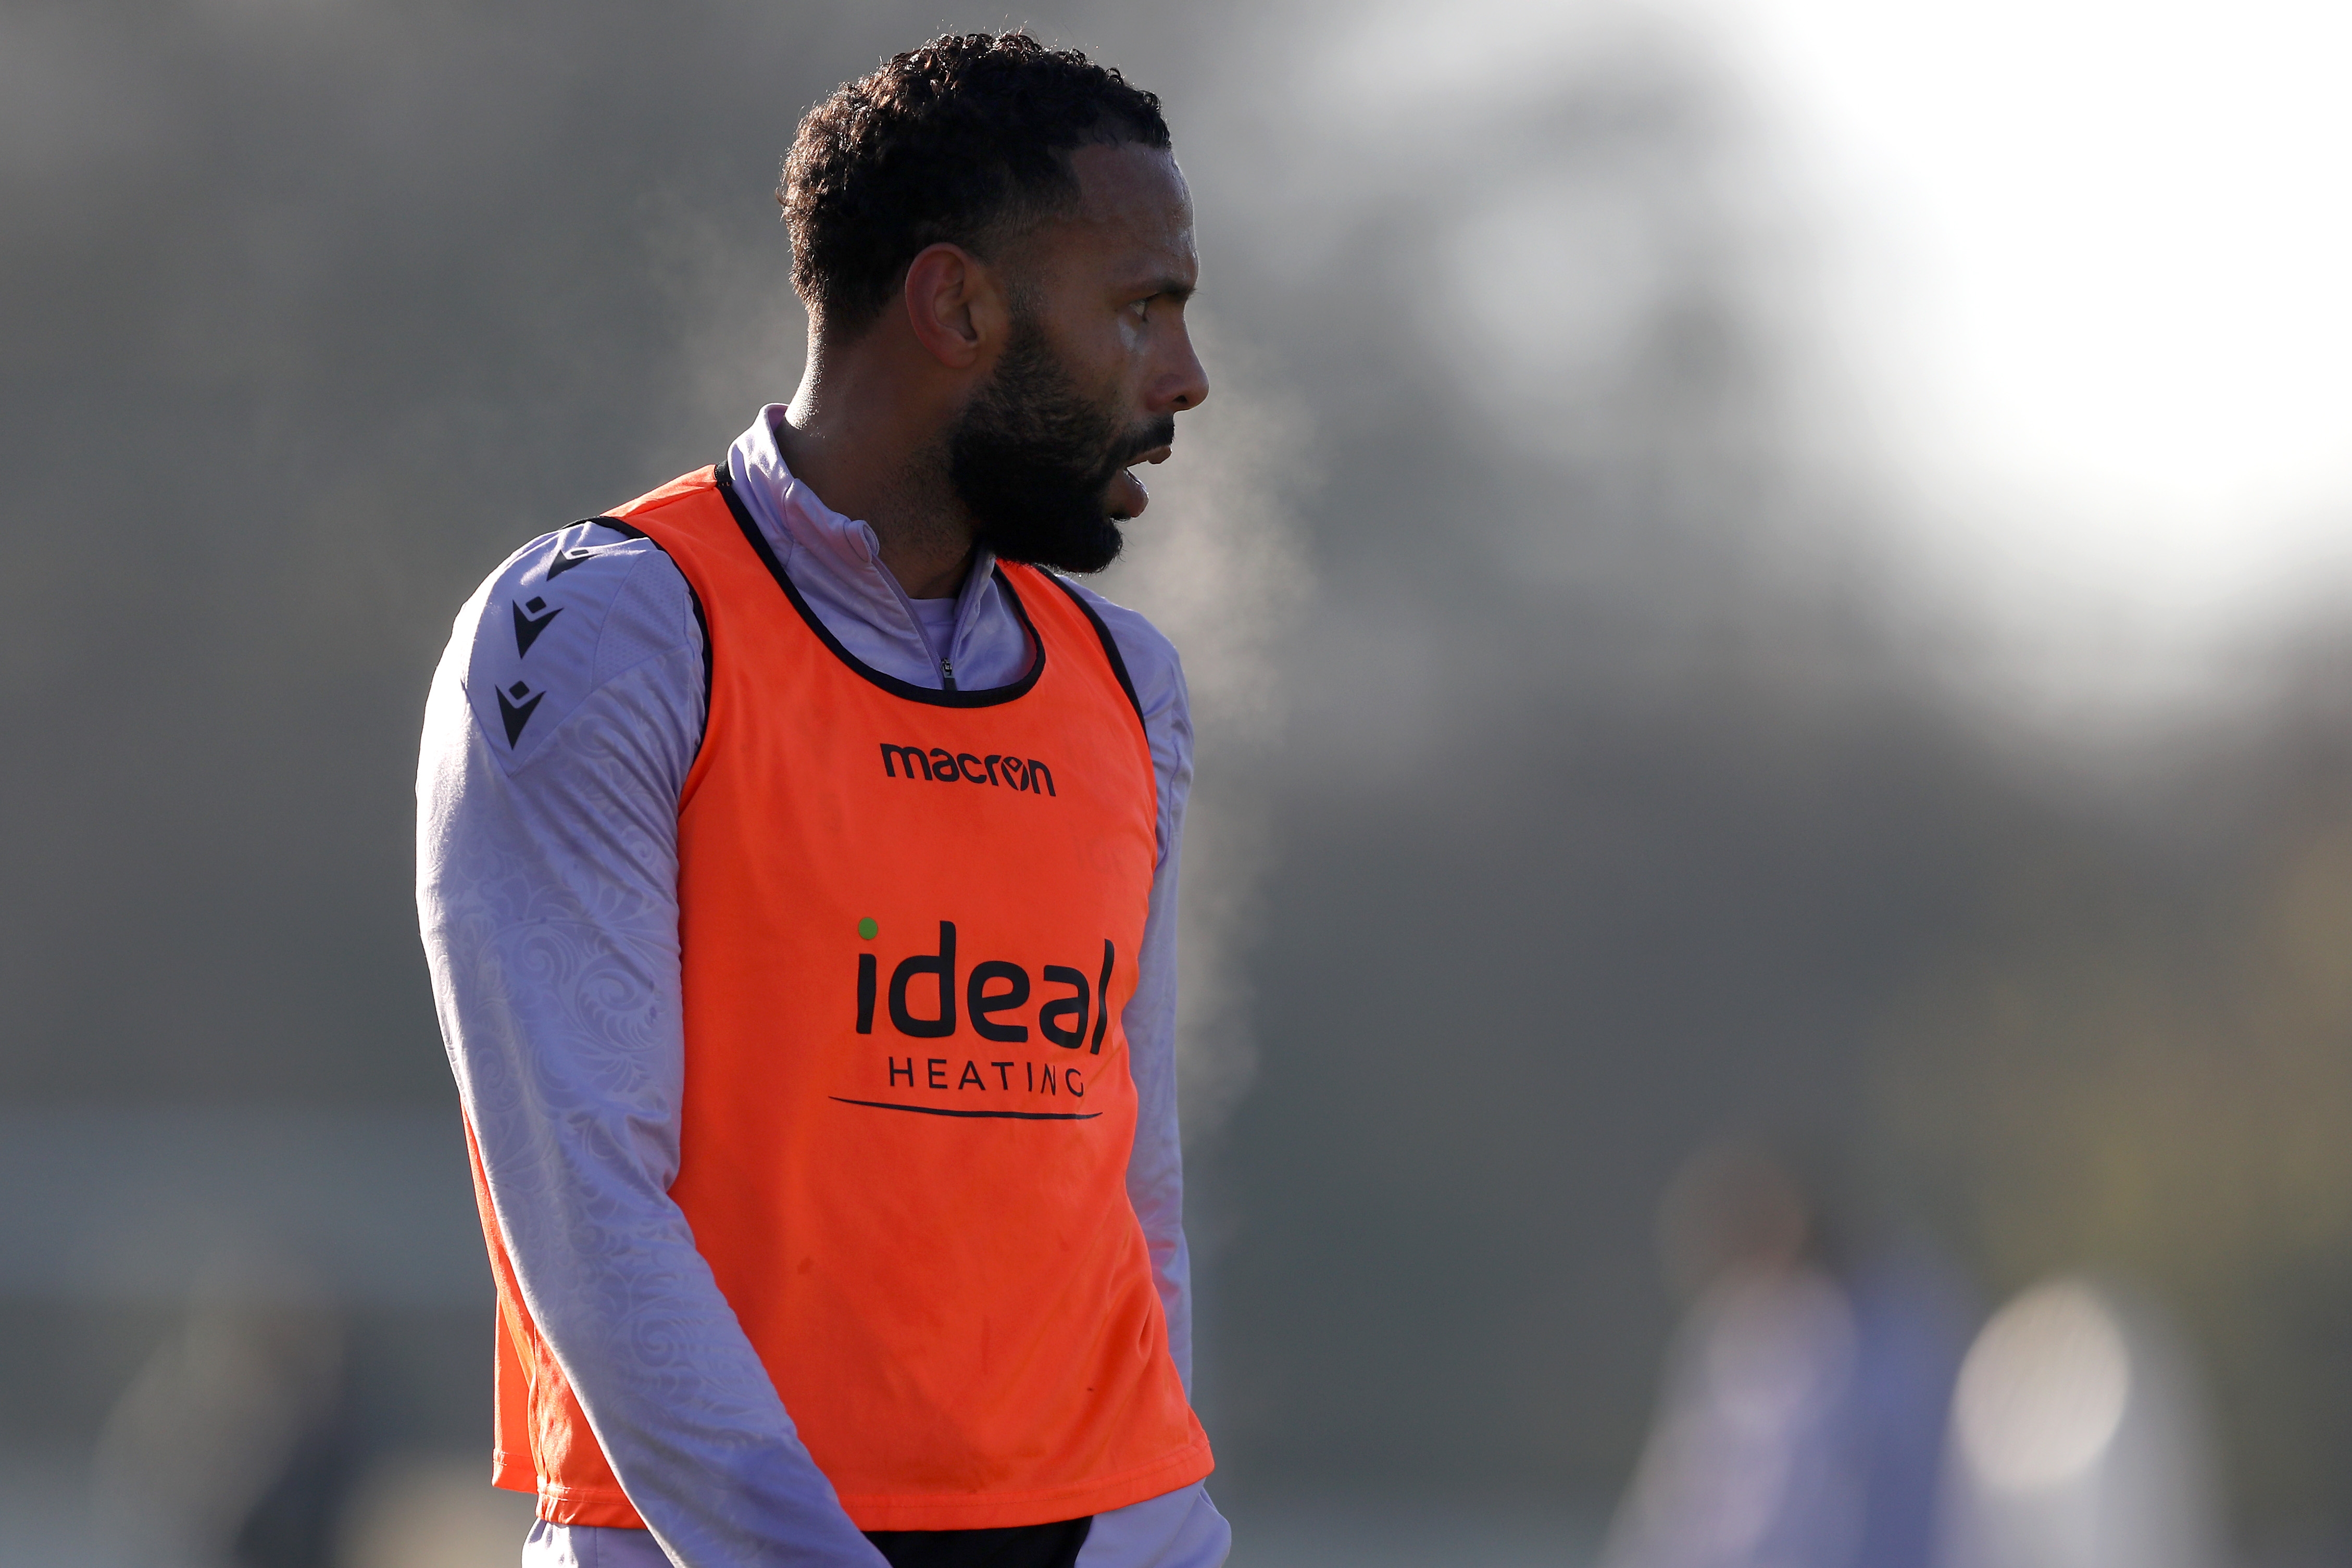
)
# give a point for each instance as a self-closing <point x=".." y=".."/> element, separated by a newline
<point x="989" y="696"/>
<point x="694" y="599"/>
<point x="1110" y="647"/>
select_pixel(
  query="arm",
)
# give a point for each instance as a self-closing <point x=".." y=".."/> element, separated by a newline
<point x="1155" y="1169"/>
<point x="547" y="891"/>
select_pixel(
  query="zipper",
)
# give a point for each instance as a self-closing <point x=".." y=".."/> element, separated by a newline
<point x="947" y="666"/>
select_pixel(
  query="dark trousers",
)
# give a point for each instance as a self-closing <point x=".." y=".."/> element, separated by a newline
<point x="1021" y="1546"/>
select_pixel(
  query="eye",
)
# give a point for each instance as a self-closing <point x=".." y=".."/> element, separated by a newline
<point x="1142" y="308"/>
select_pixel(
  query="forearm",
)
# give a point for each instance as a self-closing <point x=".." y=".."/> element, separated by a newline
<point x="1155" y="1170"/>
<point x="679" y="1401"/>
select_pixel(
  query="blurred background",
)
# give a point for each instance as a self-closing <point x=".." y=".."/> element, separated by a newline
<point x="1768" y="591"/>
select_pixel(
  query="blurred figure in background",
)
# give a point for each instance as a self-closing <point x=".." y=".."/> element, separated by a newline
<point x="231" y="1448"/>
<point x="1802" y="1420"/>
<point x="2079" y="1441"/>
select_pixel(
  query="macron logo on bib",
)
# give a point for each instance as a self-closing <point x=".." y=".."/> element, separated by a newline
<point x="941" y="766"/>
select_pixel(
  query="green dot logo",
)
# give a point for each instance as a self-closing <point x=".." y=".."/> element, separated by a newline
<point x="868" y="929"/>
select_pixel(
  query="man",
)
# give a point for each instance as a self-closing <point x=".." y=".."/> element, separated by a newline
<point x="798" y="873"/>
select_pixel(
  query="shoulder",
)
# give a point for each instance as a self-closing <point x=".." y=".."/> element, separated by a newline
<point x="563" y="617"/>
<point x="1153" y="665"/>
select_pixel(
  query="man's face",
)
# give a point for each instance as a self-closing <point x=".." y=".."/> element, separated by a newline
<point x="1095" y="370"/>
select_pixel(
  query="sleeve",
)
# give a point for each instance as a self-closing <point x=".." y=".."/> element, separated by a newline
<point x="559" y="731"/>
<point x="1155" y="1169"/>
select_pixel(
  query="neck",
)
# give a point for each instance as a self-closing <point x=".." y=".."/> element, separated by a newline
<point x="872" y="442"/>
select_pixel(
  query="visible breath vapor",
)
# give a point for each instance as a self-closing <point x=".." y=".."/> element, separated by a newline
<point x="1219" y="564"/>
<point x="740" y="332"/>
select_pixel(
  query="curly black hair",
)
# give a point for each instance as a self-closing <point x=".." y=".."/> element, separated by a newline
<point x="964" y="139"/>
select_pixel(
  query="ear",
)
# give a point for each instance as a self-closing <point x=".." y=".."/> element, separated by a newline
<point x="955" y="305"/>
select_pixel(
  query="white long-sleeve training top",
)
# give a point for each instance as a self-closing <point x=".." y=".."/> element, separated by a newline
<point x="561" y="726"/>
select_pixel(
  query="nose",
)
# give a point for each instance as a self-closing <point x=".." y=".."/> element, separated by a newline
<point x="1184" y="384"/>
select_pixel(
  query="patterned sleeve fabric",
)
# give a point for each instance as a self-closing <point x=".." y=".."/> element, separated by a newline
<point x="560" y="726"/>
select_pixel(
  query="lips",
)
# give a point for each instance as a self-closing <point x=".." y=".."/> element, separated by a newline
<point x="1125" y="496"/>
<point x="1128" y="496"/>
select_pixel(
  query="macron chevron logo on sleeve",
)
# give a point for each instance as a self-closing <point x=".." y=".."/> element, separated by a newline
<point x="516" y="713"/>
<point x="530" y="621"/>
<point x="578" y="555"/>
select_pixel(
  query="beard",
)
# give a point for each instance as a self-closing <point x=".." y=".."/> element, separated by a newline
<point x="1032" y="460"/>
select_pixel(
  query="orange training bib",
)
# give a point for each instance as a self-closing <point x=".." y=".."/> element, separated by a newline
<point x="908" y="921"/>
